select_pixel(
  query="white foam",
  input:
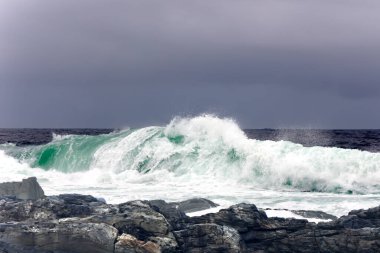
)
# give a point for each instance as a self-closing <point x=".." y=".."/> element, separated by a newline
<point x="211" y="158"/>
<point x="289" y="214"/>
<point x="206" y="211"/>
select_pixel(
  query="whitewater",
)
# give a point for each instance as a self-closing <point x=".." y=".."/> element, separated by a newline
<point x="202" y="156"/>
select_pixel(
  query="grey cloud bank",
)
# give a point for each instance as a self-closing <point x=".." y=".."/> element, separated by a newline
<point x="132" y="63"/>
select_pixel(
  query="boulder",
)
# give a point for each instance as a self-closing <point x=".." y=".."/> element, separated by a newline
<point x="129" y="244"/>
<point x="208" y="238"/>
<point x="139" y="219"/>
<point x="64" y="236"/>
<point x="53" y="207"/>
<point x="194" y="205"/>
<point x="26" y="189"/>
<point x="173" y="215"/>
<point x="314" y="214"/>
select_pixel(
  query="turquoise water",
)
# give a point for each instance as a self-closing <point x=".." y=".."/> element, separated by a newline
<point x="202" y="156"/>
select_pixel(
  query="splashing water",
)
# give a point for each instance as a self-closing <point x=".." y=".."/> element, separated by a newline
<point x="203" y="156"/>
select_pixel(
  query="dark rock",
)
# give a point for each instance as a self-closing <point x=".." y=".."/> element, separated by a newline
<point x="353" y="222"/>
<point x="262" y="234"/>
<point x="26" y="189"/>
<point x="194" y="205"/>
<point x="75" y="205"/>
<point x="137" y="218"/>
<point x="173" y="215"/>
<point x="309" y="214"/>
<point x="100" y="199"/>
<point x="128" y="244"/>
<point x="77" y="199"/>
<point x="141" y="221"/>
<point x="241" y="216"/>
<point x="82" y="223"/>
<point x="314" y="214"/>
<point x="208" y="238"/>
<point x="54" y="207"/>
<point x="372" y="213"/>
<point x="64" y="236"/>
<point x="174" y="212"/>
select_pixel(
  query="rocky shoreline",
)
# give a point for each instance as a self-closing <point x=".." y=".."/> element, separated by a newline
<point x="31" y="222"/>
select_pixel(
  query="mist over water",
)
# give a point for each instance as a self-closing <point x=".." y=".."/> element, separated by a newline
<point x="203" y="156"/>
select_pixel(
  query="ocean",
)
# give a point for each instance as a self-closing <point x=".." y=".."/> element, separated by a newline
<point x="205" y="156"/>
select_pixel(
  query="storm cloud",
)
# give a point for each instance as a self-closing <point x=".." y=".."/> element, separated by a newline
<point x="288" y="63"/>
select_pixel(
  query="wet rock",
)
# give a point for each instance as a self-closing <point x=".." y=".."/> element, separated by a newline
<point x="194" y="205"/>
<point x="82" y="223"/>
<point x="208" y="238"/>
<point x="26" y="189"/>
<point x="141" y="221"/>
<point x="77" y="199"/>
<point x="172" y="213"/>
<point x="53" y="207"/>
<point x="357" y="232"/>
<point x="75" y="205"/>
<point x="62" y="236"/>
<point x="241" y="216"/>
<point x="314" y="214"/>
<point x="137" y="218"/>
<point x="167" y="243"/>
<point x="129" y="244"/>
<point x="372" y="214"/>
<point x="309" y="214"/>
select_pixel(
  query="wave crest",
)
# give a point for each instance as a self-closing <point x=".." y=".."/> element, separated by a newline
<point x="212" y="148"/>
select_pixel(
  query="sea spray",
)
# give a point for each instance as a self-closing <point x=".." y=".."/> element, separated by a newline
<point x="208" y="146"/>
<point x="202" y="156"/>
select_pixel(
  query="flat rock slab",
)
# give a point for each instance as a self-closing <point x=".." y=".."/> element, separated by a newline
<point x="187" y="206"/>
<point x="315" y="214"/>
<point x="195" y="205"/>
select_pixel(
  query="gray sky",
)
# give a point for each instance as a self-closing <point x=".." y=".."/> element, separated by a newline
<point x="285" y="63"/>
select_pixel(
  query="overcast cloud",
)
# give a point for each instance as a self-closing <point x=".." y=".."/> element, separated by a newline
<point x="285" y="63"/>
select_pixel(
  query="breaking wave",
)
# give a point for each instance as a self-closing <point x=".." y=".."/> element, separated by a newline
<point x="194" y="149"/>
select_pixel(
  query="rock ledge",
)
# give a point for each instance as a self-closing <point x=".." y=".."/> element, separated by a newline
<point x="81" y="223"/>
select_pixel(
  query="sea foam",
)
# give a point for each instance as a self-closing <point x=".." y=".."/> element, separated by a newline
<point x="200" y="156"/>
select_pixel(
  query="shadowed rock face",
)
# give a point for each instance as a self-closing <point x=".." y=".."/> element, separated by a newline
<point x="27" y="189"/>
<point x="81" y="223"/>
